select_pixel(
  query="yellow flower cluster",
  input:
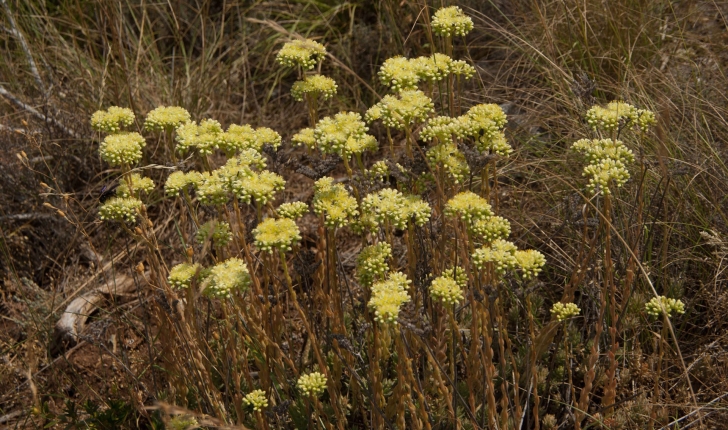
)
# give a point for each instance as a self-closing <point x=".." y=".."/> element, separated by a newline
<point x="446" y="290"/>
<point x="468" y="206"/>
<point x="449" y="21"/>
<point x="293" y="210"/>
<point x="178" y="181"/>
<point x="564" y="311"/>
<point x="388" y="297"/>
<point x="379" y="170"/>
<point x="305" y="137"/>
<point x="452" y="160"/>
<point x="256" y="399"/>
<point x="241" y="137"/>
<point x="344" y="134"/>
<point x="485" y="123"/>
<point x="392" y="207"/>
<point x="304" y="53"/>
<point x="664" y="305"/>
<point x="530" y="262"/>
<point x="408" y="107"/>
<point x="166" y="118"/>
<point x="212" y="188"/>
<point x="317" y="85"/>
<point x="490" y="228"/>
<point x="217" y="231"/>
<point x="371" y="263"/>
<point x="231" y="274"/>
<point x="607" y="162"/>
<point x="500" y="252"/>
<point x="333" y="202"/>
<point x="440" y="127"/>
<point x="204" y="137"/>
<point x="400" y="73"/>
<point x="312" y="384"/>
<point x="181" y="275"/>
<point x="617" y="114"/>
<point x="122" y="148"/>
<point x="112" y="119"/>
<point x="259" y="186"/>
<point x="281" y="234"/>
<point x="120" y="209"/>
<point x="458" y="274"/>
<point x="138" y="183"/>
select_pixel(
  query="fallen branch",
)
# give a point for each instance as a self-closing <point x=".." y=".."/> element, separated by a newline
<point x="33" y="111"/>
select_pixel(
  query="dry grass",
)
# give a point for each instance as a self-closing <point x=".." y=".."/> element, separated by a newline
<point x="538" y="59"/>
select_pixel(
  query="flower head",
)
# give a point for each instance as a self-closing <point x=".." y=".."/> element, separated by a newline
<point x="399" y="73"/>
<point x="259" y="186"/>
<point x="166" y="118"/>
<point x="446" y="290"/>
<point x="440" y="127"/>
<point x="267" y="136"/>
<point x="564" y="311"/>
<point x="178" y="181"/>
<point x="279" y="234"/>
<point x="461" y="68"/>
<point x="609" y="118"/>
<point x="122" y="148"/>
<point x="450" y="21"/>
<point x="409" y="107"/>
<point x="371" y="263"/>
<point x="204" y="137"/>
<point x="293" y="210"/>
<point x="344" y="134"/>
<point x="212" y="188"/>
<point x="231" y="274"/>
<point x="605" y="172"/>
<point x="491" y="228"/>
<point x="530" y="262"/>
<point x="433" y="68"/>
<point x="500" y="252"/>
<point x="388" y="297"/>
<point x="393" y="207"/>
<point x="112" y="119"/>
<point x="451" y="159"/>
<point x="485" y="123"/>
<point x="217" y="231"/>
<point x="256" y="399"/>
<point x="312" y="384"/>
<point x="181" y="275"/>
<point x="120" y="209"/>
<point x="305" y="137"/>
<point x="468" y="206"/>
<point x="304" y="53"/>
<point x="664" y="305"/>
<point x="316" y="85"/>
<point x="334" y="203"/>
<point x="138" y="183"/>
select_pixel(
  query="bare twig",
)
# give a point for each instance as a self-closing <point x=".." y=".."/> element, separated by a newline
<point x="33" y="111"/>
<point x="24" y="45"/>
